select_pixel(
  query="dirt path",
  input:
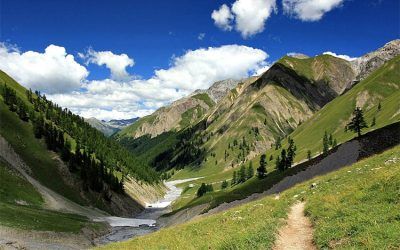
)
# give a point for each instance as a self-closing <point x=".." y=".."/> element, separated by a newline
<point x="297" y="233"/>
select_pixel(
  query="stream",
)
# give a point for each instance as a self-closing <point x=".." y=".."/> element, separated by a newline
<point x="145" y="222"/>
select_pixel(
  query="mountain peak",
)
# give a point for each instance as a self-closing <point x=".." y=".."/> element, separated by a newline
<point x="364" y="65"/>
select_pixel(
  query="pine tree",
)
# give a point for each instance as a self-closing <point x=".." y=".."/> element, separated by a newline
<point x="325" y="143"/>
<point x="262" y="170"/>
<point x="38" y="124"/>
<point x="379" y="106"/>
<point x="373" y="123"/>
<point x="282" y="161"/>
<point x="224" y="184"/>
<point x="242" y="174"/>
<point x="250" y="171"/>
<point x="291" y="153"/>
<point x="334" y="144"/>
<point x="330" y="140"/>
<point x="309" y="154"/>
<point x="357" y="123"/>
<point x="234" y="178"/>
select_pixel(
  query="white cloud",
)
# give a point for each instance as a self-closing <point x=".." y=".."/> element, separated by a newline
<point x="309" y="10"/>
<point x="201" y="36"/>
<point x="116" y="63"/>
<point x="115" y="99"/>
<point x="345" y="57"/>
<point x="223" y="17"/>
<point x="193" y="70"/>
<point x="262" y="70"/>
<point x="198" y="69"/>
<point x="51" y="71"/>
<point x="251" y="15"/>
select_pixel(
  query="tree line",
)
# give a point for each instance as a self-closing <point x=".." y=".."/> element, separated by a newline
<point x="94" y="157"/>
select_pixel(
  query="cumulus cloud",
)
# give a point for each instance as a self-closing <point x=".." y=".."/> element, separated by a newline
<point x="117" y="64"/>
<point x="223" y="17"/>
<point x="345" y="57"/>
<point x="64" y="81"/>
<point x="198" y="69"/>
<point x="309" y="10"/>
<point x="195" y="69"/>
<point x="51" y="71"/>
<point x="249" y="16"/>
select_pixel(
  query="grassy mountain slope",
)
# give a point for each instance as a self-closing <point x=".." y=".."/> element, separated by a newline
<point x="21" y="206"/>
<point x="47" y="167"/>
<point x="263" y="109"/>
<point x="176" y="116"/>
<point x="382" y="86"/>
<point x="355" y="207"/>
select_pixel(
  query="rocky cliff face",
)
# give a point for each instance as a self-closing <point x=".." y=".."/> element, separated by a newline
<point x="365" y="65"/>
<point x="219" y="89"/>
<point x="181" y="113"/>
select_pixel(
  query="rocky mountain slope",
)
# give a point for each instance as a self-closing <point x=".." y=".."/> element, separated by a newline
<point x="255" y="115"/>
<point x="366" y="64"/>
<point x="181" y="113"/>
<point x="109" y="128"/>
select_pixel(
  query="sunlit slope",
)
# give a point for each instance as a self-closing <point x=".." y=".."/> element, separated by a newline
<point x="381" y="88"/>
<point x="355" y="207"/>
<point x="251" y="118"/>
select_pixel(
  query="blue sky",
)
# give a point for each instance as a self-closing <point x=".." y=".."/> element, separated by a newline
<point x="151" y="33"/>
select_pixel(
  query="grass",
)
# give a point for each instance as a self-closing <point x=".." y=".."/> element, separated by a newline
<point x="15" y="191"/>
<point x="356" y="207"/>
<point x="15" y="188"/>
<point x="34" y="153"/>
<point x="205" y="98"/>
<point x="382" y="86"/>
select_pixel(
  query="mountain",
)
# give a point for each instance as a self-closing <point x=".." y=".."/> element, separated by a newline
<point x="179" y="114"/>
<point x="110" y="127"/>
<point x="364" y="65"/>
<point x="121" y="123"/>
<point x="377" y="95"/>
<point x="219" y="89"/>
<point x="293" y="96"/>
<point x="62" y="155"/>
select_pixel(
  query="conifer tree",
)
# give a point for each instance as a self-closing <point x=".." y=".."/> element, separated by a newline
<point x="250" y="170"/>
<point x="325" y="143"/>
<point x="224" y="184"/>
<point x="262" y="169"/>
<point x="357" y="123"/>
<point x="242" y="174"/>
<point x="233" y="182"/>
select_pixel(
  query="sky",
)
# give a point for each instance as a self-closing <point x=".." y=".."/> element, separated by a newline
<point x="121" y="59"/>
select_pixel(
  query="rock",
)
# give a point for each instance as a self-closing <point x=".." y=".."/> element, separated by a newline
<point x="314" y="185"/>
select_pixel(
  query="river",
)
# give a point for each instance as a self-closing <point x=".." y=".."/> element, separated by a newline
<point x="145" y="222"/>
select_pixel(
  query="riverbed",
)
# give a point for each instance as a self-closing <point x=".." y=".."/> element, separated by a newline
<point x="145" y="222"/>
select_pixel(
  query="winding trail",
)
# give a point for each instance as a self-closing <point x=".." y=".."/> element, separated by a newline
<point x="297" y="233"/>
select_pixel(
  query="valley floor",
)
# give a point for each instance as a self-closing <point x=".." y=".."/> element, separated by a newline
<point x="354" y="207"/>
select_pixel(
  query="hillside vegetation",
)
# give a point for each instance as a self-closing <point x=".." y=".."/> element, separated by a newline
<point x="355" y="207"/>
<point x="44" y="135"/>
<point x="21" y="207"/>
<point x="377" y="95"/>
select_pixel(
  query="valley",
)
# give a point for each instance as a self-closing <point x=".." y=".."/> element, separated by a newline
<point x="299" y="153"/>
